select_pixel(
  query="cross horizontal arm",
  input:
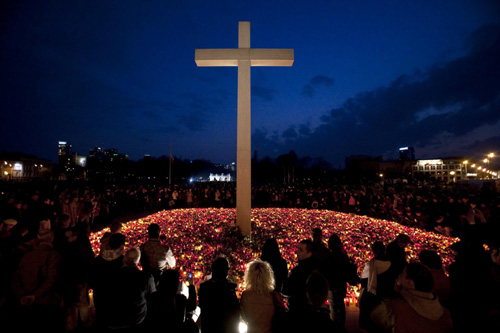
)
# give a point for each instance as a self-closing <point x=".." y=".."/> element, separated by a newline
<point x="230" y="57"/>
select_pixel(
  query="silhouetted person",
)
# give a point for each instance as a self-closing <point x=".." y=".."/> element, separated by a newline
<point x="442" y="286"/>
<point x="105" y="249"/>
<point x="416" y="309"/>
<point x="131" y="293"/>
<point x="10" y="255"/>
<point x="168" y="306"/>
<point x="377" y="283"/>
<point x="271" y="254"/>
<point x="294" y="287"/>
<point x="37" y="288"/>
<point x="156" y="257"/>
<point x="103" y="275"/>
<point x="62" y="224"/>
<point x="338" y="274"/>
<point x="470" y="281"/>
<point x="220" y="308"/>
<point x="319" y="250"/>
<point x="396" y="254"/>
<point x="315" y="316"/>
<point x="493" y="320"/>
<point x="474" y="222"/>
<point x="259" y="301"/>
<point x="76" y="257"/>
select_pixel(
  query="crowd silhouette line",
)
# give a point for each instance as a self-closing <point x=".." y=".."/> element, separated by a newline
<point x="52" y="280"/>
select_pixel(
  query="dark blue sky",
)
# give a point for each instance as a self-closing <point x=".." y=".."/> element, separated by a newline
<point x="368" y="77"/>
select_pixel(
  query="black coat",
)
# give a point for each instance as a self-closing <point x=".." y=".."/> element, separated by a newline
<point x="280" y="270"/>
<point x="220" y="308"/>
<point x="295" y="285"/>
<point x="310" y="319"/>
<point x="130" y="295"/>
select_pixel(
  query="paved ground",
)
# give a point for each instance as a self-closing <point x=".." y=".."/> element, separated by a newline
<point x="351" y="323"/>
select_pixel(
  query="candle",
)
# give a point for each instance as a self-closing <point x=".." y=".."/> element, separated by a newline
<point x="197" y="236"/>
<point x="91" y="298"/>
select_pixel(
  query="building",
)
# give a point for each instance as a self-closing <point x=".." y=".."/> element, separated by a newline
<point x="406" y="154"/>
<point x="220" y="177"/>
<point x="23" y="167"/>
<point x="452" y="170"/>
<point x="106" y="155"/>
<point x="400" y="169"/>
<point x="64" y="154"/>
<point x="442" y="170"/>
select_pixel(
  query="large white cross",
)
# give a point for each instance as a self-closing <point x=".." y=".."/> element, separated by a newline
<point x="244" y="57"/>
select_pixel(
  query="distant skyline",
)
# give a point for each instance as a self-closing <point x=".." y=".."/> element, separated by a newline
<point x="368" y="78"/>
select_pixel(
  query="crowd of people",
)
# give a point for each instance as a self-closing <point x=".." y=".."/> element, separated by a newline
<point x="449" y="210"/>
<point x="51" y="278"/>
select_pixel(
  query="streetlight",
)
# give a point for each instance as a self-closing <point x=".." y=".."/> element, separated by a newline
<point x="452" y="173"/>
<point x="465" y="163"/>
<point x="488" y="159"/>
<point x="490" y="155"/>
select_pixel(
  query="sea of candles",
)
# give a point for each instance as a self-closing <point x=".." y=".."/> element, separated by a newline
<point x="197" y="236"/>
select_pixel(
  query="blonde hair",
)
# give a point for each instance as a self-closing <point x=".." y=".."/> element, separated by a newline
<point x="259" y="277"/>
<point x="132" y="257"/>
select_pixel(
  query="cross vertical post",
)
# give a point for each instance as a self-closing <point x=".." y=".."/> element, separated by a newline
<point x="244" y="137"/>
<point x="244" y="57"/>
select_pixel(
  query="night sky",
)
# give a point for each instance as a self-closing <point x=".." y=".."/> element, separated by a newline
<point x="368" y="77"/>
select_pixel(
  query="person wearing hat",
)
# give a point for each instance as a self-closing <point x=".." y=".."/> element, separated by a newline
<point x="6" y="227"/>
<point x="10" y="222"/>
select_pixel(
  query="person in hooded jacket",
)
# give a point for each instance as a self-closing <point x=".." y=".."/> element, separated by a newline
<point x="416" y="309"/>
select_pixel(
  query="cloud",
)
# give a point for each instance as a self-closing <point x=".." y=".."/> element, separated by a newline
<point x="290" y="133"/>
<point x="195" y="113"/>
<point x="452" y="99"/>
<point x="157" y="111"/>
<point x="168" y="129"/>
<point x="316" y="82"/>
<point x="205" y="78"/>
<point x="266" y="94"/>
<point x="321" y="80"/>
<point x="304" y="129"/>
<point x="308" y="91"/>
<point x="487" y="145"/>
